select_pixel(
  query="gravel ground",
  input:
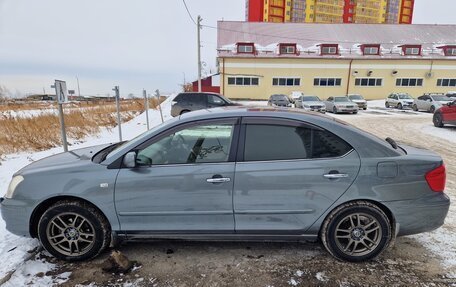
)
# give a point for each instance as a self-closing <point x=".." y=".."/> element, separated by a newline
<point x="421" y="260"/>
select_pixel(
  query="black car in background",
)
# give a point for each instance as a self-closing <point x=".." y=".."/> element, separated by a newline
<point x="192" y="101"/>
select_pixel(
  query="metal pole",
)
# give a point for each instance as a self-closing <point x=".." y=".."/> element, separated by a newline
<point x="157" y="94"/>
<point x="199" y="52"/>
<point x="119" y="123"/>
<point x="62" y="122"/>
<point x="146" y="107"/>
<point x="79" y="90"/>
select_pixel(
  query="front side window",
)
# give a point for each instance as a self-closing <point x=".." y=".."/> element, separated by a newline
<point x="281" y="142"/>
<point x="215" y="100"/>
<point x="200" y="144"/>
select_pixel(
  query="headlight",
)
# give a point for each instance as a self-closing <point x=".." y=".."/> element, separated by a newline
<point x="12" y="186"/>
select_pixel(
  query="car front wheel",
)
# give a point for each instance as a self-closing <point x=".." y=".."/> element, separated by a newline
<point x="399" y="106"/>
<point x="415" y="108"/>
<point x="334" y="110"/>
<point x="356" y="231"/>
<point x="437" y="119"/>
<point x="73" y="231"/>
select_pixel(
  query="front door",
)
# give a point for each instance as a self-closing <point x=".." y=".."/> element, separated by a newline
<point x="290" y="175"/>
<point x="183" y="181"/>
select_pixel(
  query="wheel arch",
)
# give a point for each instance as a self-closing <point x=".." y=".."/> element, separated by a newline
<point x="43" y="206"/>
<point x="383" y="207"/>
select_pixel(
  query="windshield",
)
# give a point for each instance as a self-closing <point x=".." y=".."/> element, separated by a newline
<point x="341" y="99"/>
<point x="310" y="99"/>
<point x="355" y="97"/>
<point x="280" y="97"/>
<point x="404" y="96"/>
<point x="441" y="98"/>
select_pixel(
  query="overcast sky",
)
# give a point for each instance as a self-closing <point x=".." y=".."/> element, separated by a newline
<point x="135" y="44"/>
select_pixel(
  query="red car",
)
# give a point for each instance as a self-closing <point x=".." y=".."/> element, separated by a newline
<point x="445" y="115"/>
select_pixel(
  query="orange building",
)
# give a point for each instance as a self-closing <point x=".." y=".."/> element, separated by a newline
<point x="330" y="11"/>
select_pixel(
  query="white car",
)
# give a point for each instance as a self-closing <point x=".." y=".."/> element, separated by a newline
<point x="399" y="100"/>
<point x="310" y="103"/>
<point x="359" y="100"/>
<point x="430" y="102"/>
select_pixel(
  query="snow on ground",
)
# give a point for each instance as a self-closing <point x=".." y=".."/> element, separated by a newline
<point x="14" y="249"/>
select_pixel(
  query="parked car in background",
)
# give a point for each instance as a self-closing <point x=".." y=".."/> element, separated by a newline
<point x="399" y="100"/>
<point x="359" y="100"/>
<point x="446" y="114"/>
<point x="310" y="103"/>
<point x="290" y="175"/>
<point x="341" y="105"/>
<point x="430" y="102"/>
<point x="192" y="101"/>
<point x="279" y="100"/>
<point x="295" y="95"/>
<point x="451" y="95"/>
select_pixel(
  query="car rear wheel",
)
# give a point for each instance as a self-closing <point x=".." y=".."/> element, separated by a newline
<point x="438" y="121"/>
<point x="432" y="110"/>
<point x="356" y="231"/>
<point x="73" y="231"/>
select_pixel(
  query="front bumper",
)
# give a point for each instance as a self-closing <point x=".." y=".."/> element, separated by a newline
<point x="16" y="215"/>
<point x="346" y="109"/>
<point x="316" y="109"/>
<point x="419" y="215"/>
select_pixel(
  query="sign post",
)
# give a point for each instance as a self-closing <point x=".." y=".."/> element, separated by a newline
<point x="116" y="89"/>
<point x="157" y="94"/>
<point x="146" y="107"/>
<point x="61" y="94"/>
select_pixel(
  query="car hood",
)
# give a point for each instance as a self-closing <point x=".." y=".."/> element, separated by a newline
<point x="344" y="103"/>
<point x="359" y="101"/>
<point x="313" y="103"/>
<point x="62" y="160"/>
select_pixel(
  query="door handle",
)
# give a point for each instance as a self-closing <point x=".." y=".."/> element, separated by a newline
<point x="335" y="175"/>
<point x="218" y="179"/>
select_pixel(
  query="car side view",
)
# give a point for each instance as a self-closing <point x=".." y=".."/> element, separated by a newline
<point x="446" y="115"/>
<point x="192" y="101"/>
<point x="399" y="100"/>
<point x="430" y="102"/>
<point x="236" y="173"/>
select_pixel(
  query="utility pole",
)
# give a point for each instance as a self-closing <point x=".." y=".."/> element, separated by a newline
<point x="61" y="97"/>
<point x="146" y="107"/>
<point x="116" y="89"/>
<point x="198" y="21"/>
<point x="157" y="94"/>
<point x="79" y="90"/>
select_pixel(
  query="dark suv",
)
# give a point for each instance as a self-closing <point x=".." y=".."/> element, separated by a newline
<point x="192" y="101"/>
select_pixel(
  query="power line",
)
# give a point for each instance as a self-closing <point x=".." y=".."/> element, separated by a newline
<point x="302" y="39"/>
<point x="188" y="11"/>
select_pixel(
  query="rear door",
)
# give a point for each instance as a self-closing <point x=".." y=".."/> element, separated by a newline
<point x="288" y="173"/>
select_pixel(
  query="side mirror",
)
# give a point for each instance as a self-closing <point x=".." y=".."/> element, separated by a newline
<point x="130" y="160"/>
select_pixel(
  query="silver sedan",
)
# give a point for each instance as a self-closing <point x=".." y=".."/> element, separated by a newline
<point x="233" y="174"/>
<point x="341" y="105"/>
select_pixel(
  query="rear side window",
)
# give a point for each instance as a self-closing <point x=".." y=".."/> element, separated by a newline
<point x="193" y="98"/>
<point x="279" y="142"/>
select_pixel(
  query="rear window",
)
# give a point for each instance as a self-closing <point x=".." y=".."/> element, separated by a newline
<point x="278" y="142"/>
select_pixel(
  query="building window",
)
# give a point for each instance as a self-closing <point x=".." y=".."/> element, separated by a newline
<point x="449" y="50"/>
<point x="329" y="49"/>
<point x="409" y="50"/>
<point x="327" y="82"/>
<point x="371" y="49"/>
<point x="446" y="83"/>
<point x="412" y="82"/>
<point x="287" y="48"/>
<point x="368" y="82"/>
<point x="245" y="48"/>
<point x="286" y="81"/>
<point x="243" y="81"/>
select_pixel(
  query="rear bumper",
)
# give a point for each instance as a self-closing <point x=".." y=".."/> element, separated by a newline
<point x="16" y="216"/>
<point x="420" y="215"/>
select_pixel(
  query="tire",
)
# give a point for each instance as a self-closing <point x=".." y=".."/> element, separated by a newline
<point x="399" y="106"/>
<point x="334" y="110"/>
<point x="437" y="120"/>
<point x="184" y="111"/>
<point x="364" y="108"/>
<point x="355" y="247"/>
<point x="386" y="104"/>
<point x="415" y="108"/>
<point x="61" y="227"/>
<point x="355" y="113"/>
<point x="432" y="110"/>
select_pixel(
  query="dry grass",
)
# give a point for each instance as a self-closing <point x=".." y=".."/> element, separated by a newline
<point x="43" y="131"/>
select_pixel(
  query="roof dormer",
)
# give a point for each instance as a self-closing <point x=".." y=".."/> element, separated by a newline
<point x="411" y="50"/>
<point x="288" y="49"/>
<point x="245" y="48"/>
<point x="448" y="50"/>
<point x="370" y="49"/>
<point x="329" y="49"/>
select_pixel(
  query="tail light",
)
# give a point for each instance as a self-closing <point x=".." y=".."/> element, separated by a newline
<point x="436" y="178"/>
